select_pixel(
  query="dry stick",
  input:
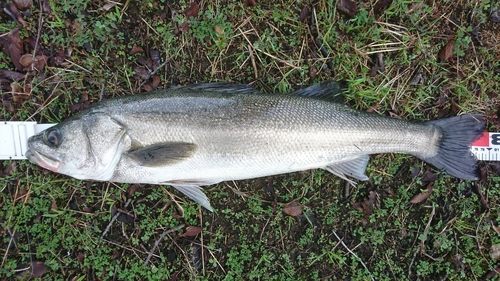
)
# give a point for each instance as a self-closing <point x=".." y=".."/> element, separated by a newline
<point x="158" y="242"/>
<point x="153" y="73"/>
<point x="113" y="219"/>
<point x="39" y="31"/>
<point x="352" y="253"/>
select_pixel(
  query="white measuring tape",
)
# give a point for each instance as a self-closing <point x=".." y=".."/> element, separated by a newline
<point x="14" y="138"/>
<point x="14" y="141"/>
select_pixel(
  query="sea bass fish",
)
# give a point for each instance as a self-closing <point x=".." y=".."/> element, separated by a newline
<point x="203" y="134"/>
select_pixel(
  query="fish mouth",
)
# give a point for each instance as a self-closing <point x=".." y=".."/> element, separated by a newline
<point x="46" y="161"/>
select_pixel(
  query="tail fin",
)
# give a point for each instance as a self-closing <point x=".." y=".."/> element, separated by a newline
<point x="454" y="156"/>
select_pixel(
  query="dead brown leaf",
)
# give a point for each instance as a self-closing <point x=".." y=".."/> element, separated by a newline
<point x="191" y="231"/>
<point x="446" y="53"/>
<point x="141" y="72"/>
<point x="18" y="94"/>
<point x="156" y="81"/>
<point x="293" y="209"/>
<point x="368" y="203"/>
<point x="80" y="257"/>
<point x="46" y="7"/>
<point x="23" y="4"/>
<point x="192" y="10"/>
<point x="218" y="30"/>
<point x="31" y="64"/>
<point x="381" y="5"/>
<point x="134" y="188"/>
<point x="347" y="7"/>
<point x="422" y="196"/>
<point x="9" y="76"/>
<point x="136" y="49"/>
<point x="12" y="46"/>
<point x="38" y="269"/>
<point x="8" y="169"/>
<point x="249" y="3"/>
<point x="495" y="16"/>
<point x="11" y="10"/>
<point x="53" y="207"/>
<point x="304" y="14"/>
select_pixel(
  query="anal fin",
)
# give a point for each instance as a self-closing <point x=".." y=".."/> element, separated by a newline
<point x="196" y="194"/>
<point x="353" y="168"/>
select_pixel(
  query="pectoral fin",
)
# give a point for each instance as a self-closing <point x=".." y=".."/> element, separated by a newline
<point x="354" y="168"/>
<point x="162" y="154"/>
<point x="196" y="194"/>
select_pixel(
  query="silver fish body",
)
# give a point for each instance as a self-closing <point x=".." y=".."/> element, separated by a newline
<point x="194" y="136"/>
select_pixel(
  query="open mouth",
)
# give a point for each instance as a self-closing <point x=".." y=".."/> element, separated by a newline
<point x="46" y="161"/>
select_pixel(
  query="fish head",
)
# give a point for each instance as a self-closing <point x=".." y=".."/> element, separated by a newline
<point x="85" y="147"/>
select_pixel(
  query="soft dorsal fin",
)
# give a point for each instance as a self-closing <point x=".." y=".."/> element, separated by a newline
<point x="221" y="87"/>
<point x="326" y="90"/>
<point x="162" y="154"/>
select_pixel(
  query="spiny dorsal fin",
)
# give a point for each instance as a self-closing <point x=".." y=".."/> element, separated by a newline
<point x="326" y="90"/>
<point x="221" y="87"/>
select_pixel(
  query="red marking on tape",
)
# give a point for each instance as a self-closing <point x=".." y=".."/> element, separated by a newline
<point x="484" y="140"/>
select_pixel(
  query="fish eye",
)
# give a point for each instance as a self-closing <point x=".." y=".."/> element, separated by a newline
<point x="53" y="138"/>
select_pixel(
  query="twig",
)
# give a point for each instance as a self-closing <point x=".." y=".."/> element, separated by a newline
<point x="153" y="73"/>
<point x="352" y="253"/>
<point x="39" y="31"/>
<point x="158" y="241"/>
<point x="102" y="90"/>
<point x="113" y="219"/>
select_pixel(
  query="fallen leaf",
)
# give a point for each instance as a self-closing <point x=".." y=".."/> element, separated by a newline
<point x="249" y="3"/>
<point x="428" y="177"/>
<point x="155" y="57"/>
<point x="304" y="14"/>
<point x="368" y="203"/>
<point x="30" y="64"/>
<point x="446" y="53"/>
<point x="9" y="76"/>
<point x="192" y="10"/>
<point x="293" y="209"/>
<point x="495" y="16"/>
<point x="191" y="231"/>
<point x="145" y="62"/>
<point x="156" y="81"/>
<point x="53" y="207"/>
<point x="141" y="72"/>
<point x="381" y="5"/>
<point x="12" y="46"/>
<point x="184" y="27"/>
<point x="422" y="196"/>
<point x="19" y="94"/>
<point x="11" y="10"/>
<point x="347" y="7"/>
<point x="313" y="72"/>
<point x="80" y="257"/>
<point x="8" y="169"/>
<point x="46" y="7"/>
<point x="136" y="49"/>
<point x="414" y="6"/>
<point x="38" y="269"/>
<point x="218" y="30"/>
<point x="135" y="188"/>
<point x="23" y="4"/>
